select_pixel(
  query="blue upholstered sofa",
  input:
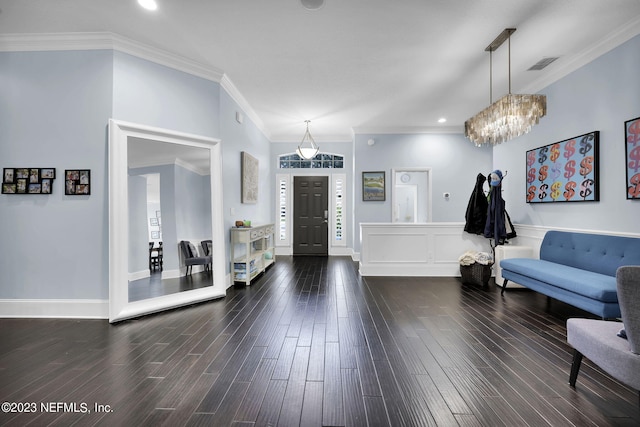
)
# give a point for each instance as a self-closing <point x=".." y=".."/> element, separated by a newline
<point x="576" y="268"/>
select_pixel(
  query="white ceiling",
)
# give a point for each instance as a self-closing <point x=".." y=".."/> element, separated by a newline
<point x="354" y="65"/>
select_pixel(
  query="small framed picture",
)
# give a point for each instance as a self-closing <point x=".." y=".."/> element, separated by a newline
<point x="49" y="173"/>
<point x="8" y="176"/>
<point x="45" y="186"/>
<point x="35" y="188"/>
<point x="8" y="188"/>
<point x="34" y="175"/>
<point x="77" y="182"/>
<point x="153" y="222"/>
<point x="155" y="234"/>
<point x="22" y="173"/>
<point x="21" y="186"/>
<point x="373" y="186"/>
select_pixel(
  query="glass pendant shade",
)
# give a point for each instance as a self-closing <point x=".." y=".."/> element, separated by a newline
<point x="509" y="117"/>
<point x="307" y="148"/>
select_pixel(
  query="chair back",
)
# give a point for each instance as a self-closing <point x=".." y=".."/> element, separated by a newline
<point x="628" y="284"/>
<point x="206" y="247"/>
<point x="186" y="250"/>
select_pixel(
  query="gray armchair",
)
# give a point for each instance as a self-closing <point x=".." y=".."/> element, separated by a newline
<point x="192" y="258"/>
<point x="601" y="342"/>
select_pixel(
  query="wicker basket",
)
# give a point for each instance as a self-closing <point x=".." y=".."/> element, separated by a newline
<point x="476" y="274"/>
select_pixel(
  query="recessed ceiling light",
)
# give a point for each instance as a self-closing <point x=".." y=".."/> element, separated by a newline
<point x="442" y="120"/>
<point x="148" y="4"/>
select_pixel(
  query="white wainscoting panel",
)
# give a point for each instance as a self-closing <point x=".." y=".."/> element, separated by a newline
<point x="424" y="249"/>
<point x="432" y="249"/>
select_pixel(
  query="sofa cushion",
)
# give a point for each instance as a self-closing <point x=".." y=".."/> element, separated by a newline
<point x="592" y="285"/>
<point x="599" y="253"/>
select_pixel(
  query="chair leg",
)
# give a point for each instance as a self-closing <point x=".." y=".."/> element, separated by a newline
<point x="575" y="368"/>
<point x="504" y="286"/>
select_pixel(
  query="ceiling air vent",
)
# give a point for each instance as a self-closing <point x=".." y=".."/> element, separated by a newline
<point x="542" y="63"/>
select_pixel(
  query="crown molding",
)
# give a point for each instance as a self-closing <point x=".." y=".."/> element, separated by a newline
<point x="606" y="44"/>
<point x="55" y="41"/>
<point x="242" y="102"/>
<point x="409" y="130"/>
<point x="102" y="41"/>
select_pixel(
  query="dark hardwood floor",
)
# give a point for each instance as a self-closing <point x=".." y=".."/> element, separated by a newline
<point x="312" y="343"/>
<point x="155" y="286"/>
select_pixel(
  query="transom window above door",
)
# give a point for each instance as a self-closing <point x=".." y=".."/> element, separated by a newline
<point x="320" y="161"/>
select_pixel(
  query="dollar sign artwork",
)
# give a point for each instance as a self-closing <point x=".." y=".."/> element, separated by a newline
<point x="569" y="149"/>
<point x="543" y="173"/>
<point x="555" y="171"/>
<point x="542" y="192"/>
<point x="531" y="158"/>
<point x="570" y="190"/>
<point x="586" y="166"/>
<point x="570" y="169"/>
<point x="633" y="133"/>
<point x="555" y="190"/>
<point x="585" y="144"/>
<point x="634" y="189"/>
<point x="555" y="152"/>
<point x="634" y="155"/>
<point x="531" y="193"/>
<point x="542" y="155"/>
<point x="531" y="175"/>
<point x="586" y="188"/>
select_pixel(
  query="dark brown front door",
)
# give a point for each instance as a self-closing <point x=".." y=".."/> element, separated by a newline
<point x="310" y="215"/>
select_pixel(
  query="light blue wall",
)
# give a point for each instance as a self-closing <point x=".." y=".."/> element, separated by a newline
<point x="193" y="205"/>
<point x="54" y="109"/>
<point x="599" y="96"/>
<point x="138" y="230"/>
<point x="155" y="95"/>
<point x="454" y="161"/>
<point x="170" y="238"/>
<point x="237" y="137"/>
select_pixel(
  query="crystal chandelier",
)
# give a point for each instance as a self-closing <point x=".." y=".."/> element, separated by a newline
<point x="307" y="148"/>
<point x="510" y="116"/>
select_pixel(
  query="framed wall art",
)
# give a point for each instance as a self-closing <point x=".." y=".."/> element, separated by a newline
<point x="373" y="187"/>
<point x="250" y="174"/>
<point x="632" y="152"/>
<point x="566" y="171"/>
<point x="28" y="180"/>
<point x="77" y="182"/>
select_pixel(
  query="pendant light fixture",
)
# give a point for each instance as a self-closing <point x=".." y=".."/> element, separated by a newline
<point x="510" y="116"/>
<point x="307" y="148"/>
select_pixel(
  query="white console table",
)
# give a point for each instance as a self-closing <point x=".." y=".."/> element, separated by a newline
<point x="257" y="254"/>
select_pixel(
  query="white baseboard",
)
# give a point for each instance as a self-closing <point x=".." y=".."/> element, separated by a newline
<point x="137" y="275"/>
<point x="55" y="308"/>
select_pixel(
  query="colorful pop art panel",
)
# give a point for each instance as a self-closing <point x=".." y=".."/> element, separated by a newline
<point x="566" y="171"/>
<point x="632" y="144"/>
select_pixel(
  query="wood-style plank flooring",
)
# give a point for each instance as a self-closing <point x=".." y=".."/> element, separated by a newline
<point x="155" y="286"/>
<point x="312" y="343"/>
